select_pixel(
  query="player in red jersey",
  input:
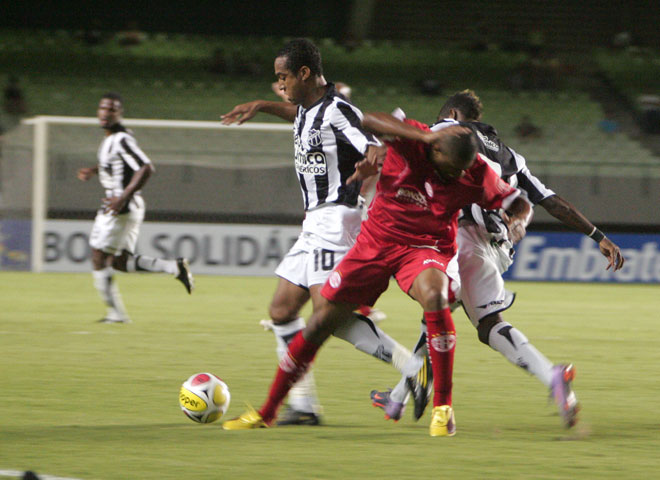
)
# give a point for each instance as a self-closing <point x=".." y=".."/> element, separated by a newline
<point x="427" y="177"/>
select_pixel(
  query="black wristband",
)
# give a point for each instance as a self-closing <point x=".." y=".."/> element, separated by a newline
<point x="597" y="235"/>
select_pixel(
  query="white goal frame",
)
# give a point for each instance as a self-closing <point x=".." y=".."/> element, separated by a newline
<point x="40" y="161"/>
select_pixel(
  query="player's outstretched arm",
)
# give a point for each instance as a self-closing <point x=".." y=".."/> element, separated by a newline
<point x="86" y="173"/>
<point x="572" y="217"/>
<point x="245" y="111"/>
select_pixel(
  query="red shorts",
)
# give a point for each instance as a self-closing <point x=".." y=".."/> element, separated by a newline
<point x="364" y="273"/>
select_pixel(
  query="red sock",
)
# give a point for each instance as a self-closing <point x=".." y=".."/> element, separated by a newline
<point x="441" y="342"/>
<point x="292" y="366"/>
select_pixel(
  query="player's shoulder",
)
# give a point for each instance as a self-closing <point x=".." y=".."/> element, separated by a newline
<point x="417" y="124"/>
<point x="484" y="128"/>
<point x="120" y="132"/>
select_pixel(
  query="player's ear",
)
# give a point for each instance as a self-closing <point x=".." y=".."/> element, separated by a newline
<point x="304" y="73"/>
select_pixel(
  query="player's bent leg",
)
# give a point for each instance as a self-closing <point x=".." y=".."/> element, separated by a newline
<point x="514" y="346"/>
<point x="365" y="336"/>
<point x="303" y="404"/>
<point x="178" y="268"/>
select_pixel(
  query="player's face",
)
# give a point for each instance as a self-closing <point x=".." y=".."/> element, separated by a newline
<point x="109" y="112"/>
<point x="445" y="166"/>
<point x="289" y="83"/>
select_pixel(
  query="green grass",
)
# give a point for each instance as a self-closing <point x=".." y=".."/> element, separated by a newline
<point x="92" y="401"/>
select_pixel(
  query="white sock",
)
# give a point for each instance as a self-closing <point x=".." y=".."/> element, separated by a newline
<point x="362" y="333"/>
<point x="142" y="263"/>
<point x="511" y="343"/>
<point x="401" y="392"/>
<point x="109" y="292"/>
<point x="302" y="396"/>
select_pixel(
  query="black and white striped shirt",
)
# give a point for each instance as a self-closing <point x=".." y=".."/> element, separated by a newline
<point x="507" y="163"/>
<point x="328" y="141"/>
<point x="119" y="158"/>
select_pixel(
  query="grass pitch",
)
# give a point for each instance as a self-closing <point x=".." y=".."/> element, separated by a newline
<point x="92" y="401"/>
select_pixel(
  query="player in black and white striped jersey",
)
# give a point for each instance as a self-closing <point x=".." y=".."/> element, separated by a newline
<point x="485" y="251"/>
<point x="123" y="169"/>
<point x="328" y="143"/>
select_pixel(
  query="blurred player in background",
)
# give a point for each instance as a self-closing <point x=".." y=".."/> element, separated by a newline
<point x="123" y="170"/>
<point x="328" y="141"/>
<point x="485" y="245"/>
<point x="426" y="179"/>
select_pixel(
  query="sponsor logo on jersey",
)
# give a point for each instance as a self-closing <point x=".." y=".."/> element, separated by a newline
<point x="412" y="196"/>
<point x="314" y="137"/>
<point x="432" y="260"/>
<point x="310" y="163"/>
<point x="488" y="143"/>
<point x="444" y="342"/>
<point x="335" y="279"/>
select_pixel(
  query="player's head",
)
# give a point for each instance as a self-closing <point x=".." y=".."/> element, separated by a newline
<point x="297" y="66"/>
<point x="110" y="110"/>
<point x="453" y="152"/>
<point x="463" y="106"/>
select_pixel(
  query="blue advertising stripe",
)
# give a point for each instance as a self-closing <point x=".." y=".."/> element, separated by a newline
<point x="572" y="257"/>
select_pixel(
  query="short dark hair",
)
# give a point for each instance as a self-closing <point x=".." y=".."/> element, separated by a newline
<point x="114" y="96"/>
<point x="462" y="147"/>
<point x="467" y="102"/>
<point x="302" y="52"/>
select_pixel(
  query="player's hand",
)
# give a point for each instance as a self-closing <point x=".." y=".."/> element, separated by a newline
<point x="516" y="226"/>
<point x="86" y="173"/>
<point x="369" y="165"/>
<point x="613" y="254"/>
<point x="241" y="113"/>
<point x="113" y="205"/>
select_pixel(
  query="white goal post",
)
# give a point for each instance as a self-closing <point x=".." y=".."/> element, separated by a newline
<point x="41" y="125"/>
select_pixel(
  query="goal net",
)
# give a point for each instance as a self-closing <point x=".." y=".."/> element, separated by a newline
<point x="205" y="172"/>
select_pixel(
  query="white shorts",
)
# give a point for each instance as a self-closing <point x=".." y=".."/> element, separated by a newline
<point x="114" y="233"/>
<point x="481" y="266"/>
<point x="328" y="234"/>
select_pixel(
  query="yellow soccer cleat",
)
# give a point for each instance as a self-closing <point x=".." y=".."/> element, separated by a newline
<point x="249" y="420"/>
<point x="442" y="422"/>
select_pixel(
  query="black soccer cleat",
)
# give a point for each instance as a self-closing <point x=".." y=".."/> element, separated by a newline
<point x="296" y="417"/>
<point x="421" y="387"/>
<point x="185" y="275"/>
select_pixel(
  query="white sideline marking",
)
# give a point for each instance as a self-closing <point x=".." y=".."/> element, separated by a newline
<point x="42" y="476"/>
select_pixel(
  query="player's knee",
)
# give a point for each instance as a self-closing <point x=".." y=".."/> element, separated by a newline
<point x="486" y="324"/>
<point x="281" y="313"/>
<point x="434" y="298"/>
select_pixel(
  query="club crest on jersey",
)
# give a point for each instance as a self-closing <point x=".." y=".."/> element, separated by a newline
<point x="335" y="279"/>
<point x="429" y="189"/>
<point x="444" y="342"/>
<point x="314" y="137"/>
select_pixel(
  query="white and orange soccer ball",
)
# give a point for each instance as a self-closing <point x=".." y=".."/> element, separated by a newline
<point x="204" y="398"/>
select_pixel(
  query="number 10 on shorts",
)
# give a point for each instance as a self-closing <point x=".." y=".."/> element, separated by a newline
<point x="324" y="259"/>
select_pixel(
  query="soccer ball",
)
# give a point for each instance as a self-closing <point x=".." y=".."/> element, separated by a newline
<point x="204" y="398"/>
